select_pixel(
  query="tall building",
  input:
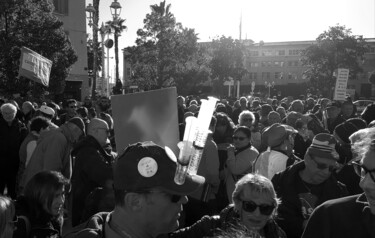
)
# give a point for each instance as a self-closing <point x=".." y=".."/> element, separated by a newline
<point x="72" y="14"/>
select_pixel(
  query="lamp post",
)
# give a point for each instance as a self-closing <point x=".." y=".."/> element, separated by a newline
<point x="92" y="17"/>
<point x="269" y="85"/>
<point x="116" y="11"/>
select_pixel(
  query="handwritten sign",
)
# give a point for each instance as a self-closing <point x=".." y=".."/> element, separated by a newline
<point x="341" y="84"/>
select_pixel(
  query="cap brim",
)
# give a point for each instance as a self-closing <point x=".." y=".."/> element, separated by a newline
<point x="319" y="153"/>
<point x="191" y="184"/>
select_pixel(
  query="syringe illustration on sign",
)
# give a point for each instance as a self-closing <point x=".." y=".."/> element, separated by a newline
<point x="191" y="148"/>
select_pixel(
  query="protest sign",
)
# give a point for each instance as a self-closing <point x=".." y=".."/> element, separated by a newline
<point x="146" y="116"/>
<point x="341" y="84"/>
<point x="34" y="66"/>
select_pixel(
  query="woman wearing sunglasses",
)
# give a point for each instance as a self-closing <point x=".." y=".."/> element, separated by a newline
<point x="251" y="213"/>
<point x="352" y="216"/>
<point x="7" y="217"/>
<point x="241" y="155"/>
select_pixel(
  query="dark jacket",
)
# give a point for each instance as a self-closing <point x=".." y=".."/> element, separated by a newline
<point x="290" y="216"/>
<point x="11" y="138"/>
<point x="92" y="169"/>
<point x="341" y="218"/>
<point x="209" y="226"/>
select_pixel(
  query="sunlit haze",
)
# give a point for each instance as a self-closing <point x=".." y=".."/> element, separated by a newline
<point x="267" y="20"/>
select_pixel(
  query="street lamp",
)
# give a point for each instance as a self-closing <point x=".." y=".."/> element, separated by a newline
<point x="92" y="17"/>
<point x="269" y="85"/>
<point x="116" y="11"/>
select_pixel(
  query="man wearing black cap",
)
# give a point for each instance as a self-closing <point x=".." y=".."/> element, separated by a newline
<point x="53" y="150"/>
<point x="148" y="201"/>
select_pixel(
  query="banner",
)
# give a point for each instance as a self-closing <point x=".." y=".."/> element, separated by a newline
<point x="34" y="66"/>
<point x="146" y="116"/>
<point x="341" y="84"/>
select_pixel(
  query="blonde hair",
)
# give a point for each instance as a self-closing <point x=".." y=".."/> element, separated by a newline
<point x="256" y="183"/>
<point x="7" y="213"/>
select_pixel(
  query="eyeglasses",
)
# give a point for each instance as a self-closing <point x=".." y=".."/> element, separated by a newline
<point x="250" y="206"/>
<point x="323" y="166"/>
<point x="361" y="170"/>
<point x="239" y="138"/>
<point x="73" y="107"/>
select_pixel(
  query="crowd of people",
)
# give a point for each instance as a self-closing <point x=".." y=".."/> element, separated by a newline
<point x="270" y="168"/>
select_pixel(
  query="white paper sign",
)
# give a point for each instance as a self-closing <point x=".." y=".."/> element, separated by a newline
<point x="341" y="84"/>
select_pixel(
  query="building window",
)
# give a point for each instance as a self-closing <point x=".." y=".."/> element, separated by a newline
<point x="267" y="53"/>
<point x="294" y="52"/>
<point x="281" y="52"/>
<point x="266" y="75"/>
<point x="253" y="64"/>
<point x="61" y="6"/>
<point x="278" y="75"/>
<point x="263" y="64"/>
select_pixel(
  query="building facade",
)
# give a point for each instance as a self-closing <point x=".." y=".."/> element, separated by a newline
<point x="72" y="14"/>
<point x="278" y="65"/>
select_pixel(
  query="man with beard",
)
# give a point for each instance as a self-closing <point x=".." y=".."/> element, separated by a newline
<point x="352" y="216"/>
<point x="53" y="150"/>
<point x="307" y="184"/>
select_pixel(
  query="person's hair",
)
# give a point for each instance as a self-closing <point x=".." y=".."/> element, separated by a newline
<point x="41" y="190"/>
<point x="82" y="111"/>
<point x="246" y="113"/>
<point x="8" y="106"/>
<point x="7" y="213"/>
<point x="69" y="101"/>
<point x="255" y="183"/>
<point x="244" y="129"/>
<point x="222" y="118"/>
<point x="273" y="112"/>
<point x="38" y="123"/>
<point x="265" y="110"/>
<point x="92" y="112"/>
<point x="220" y="107"/>
<point x="363" y="141"/>
<point x="107" y="118"/>
<point x="299" y="124"/>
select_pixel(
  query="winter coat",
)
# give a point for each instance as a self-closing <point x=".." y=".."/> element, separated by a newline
<point x="343" y="218"/>
<point x="51" y="153"/>
<point x="92" y="169"/>
<point x="209" y="226"/>
<point x="290" y="216"/>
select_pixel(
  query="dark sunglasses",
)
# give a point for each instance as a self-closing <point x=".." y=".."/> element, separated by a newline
<point x="323" y="166"/>
<point x="361" y="170"/>
<point x="250" y="206"/>
<point x="239" y="138"/>
<point x="72" y="106"/>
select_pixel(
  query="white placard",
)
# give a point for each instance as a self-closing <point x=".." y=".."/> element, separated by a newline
<point x="341" y="84"/>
